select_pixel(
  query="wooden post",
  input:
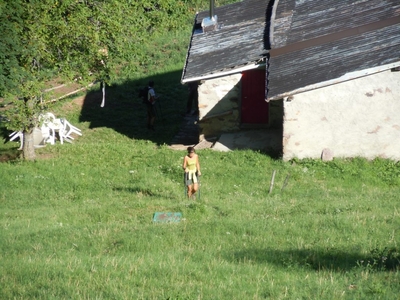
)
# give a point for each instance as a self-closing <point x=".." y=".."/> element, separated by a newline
<point x="285" y="182"/>
<point x="272" y="182"/>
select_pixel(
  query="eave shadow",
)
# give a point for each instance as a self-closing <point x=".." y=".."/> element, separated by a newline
<point x="125" y="113"/>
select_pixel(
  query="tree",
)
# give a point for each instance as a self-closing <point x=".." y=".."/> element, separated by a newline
<point x="44" y="39"/>
<point x="83" y="40"/>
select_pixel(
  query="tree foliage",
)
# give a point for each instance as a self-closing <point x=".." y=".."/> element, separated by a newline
<point x="44" y="39"/>
<point x="81" y="40"/>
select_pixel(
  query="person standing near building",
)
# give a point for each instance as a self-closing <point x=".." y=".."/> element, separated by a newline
<point x="151" y="99"/>
<point x="193" y="98"/>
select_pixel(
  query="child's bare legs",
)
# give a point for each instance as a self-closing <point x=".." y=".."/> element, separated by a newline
<point x="195" y="188"/>
<point x="192" y="189"/>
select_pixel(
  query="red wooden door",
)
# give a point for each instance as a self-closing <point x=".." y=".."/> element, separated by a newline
<point x="254" y="107"/>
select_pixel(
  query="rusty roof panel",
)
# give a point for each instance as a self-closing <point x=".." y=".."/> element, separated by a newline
<point x="324" y="62"/>
<point x="299" y="20"/>
<point x="237" y="42"/>
<point x="312" y="41"/>
<point x="319" y="41"/>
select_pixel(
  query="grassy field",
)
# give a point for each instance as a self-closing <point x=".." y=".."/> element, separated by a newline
<point x="78" y="222"/>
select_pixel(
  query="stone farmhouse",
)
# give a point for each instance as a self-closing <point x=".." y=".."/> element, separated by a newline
<point x="324" y="75"/>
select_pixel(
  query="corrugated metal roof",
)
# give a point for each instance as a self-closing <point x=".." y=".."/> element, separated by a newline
<point x="312" y="42"/>
<point x="300" y="20"/>
<point x="239" y="40"/>
<point x="317" y="41"/>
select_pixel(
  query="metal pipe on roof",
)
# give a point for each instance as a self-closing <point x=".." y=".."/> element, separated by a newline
<point x="211" y="9"/>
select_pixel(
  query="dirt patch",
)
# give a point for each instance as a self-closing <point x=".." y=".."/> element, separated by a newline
<point x="73" y="104"/>
<point x="11" y="155"/>
<point x="79" y="101"/>
<point x="93" y="97"/>
<point x="44" y="156"/>
<point x="4" y="157"/>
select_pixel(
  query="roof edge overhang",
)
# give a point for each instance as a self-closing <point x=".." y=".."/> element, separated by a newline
<point x="225" y="73"/>
<point x="189" y="46"/>
<point x="272" y="22"/>
<point x="346" y="77"/>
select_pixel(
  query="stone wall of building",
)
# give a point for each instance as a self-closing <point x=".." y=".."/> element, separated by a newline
<point x="219" y="105"/>
<point x="356" y="118"/>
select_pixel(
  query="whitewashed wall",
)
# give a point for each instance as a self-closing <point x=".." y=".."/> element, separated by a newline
<point x="219" y="105"/>
<point x="357" y="118"/>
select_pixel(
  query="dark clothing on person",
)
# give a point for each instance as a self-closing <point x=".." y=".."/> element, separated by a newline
<point x="150" y="110"/>
<point x="193" y="98"/>
<point x="151" y="98"/>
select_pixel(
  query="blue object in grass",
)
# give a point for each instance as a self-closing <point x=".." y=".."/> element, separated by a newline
<point x="167" y="217"/>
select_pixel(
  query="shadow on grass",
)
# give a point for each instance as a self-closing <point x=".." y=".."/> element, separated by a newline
<point x="125" y="113"/>
<point x="142" y="191"/>
<point x="335" y="260"/>
<point x="10" y="152"/>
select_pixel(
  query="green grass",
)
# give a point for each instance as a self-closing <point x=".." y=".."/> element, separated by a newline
<point x="77" y="222"/>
